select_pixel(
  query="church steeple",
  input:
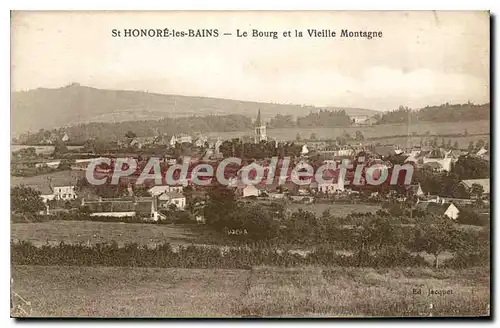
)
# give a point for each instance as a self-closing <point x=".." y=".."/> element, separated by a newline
<point x="260" y="130"/>
<point x="258" y="121"/>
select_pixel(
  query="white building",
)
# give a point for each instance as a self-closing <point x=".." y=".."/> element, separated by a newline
<point x="172" y="198"/>
<point x="358" y="119"/>
<point x="331" y="186"/>
<point x="60" y="193"/>
<point x="158" y="190"/>
<point x="250" y="190"/>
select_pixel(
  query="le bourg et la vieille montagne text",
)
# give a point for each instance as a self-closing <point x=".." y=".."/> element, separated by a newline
<point x="242" y="33"/>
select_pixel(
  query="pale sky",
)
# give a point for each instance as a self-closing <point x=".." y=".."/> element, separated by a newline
<point x="423" y="58"/>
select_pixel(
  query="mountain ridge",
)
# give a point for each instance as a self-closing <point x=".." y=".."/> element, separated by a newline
<point x="48" y="108"/>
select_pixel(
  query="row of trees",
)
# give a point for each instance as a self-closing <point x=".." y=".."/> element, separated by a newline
<point x="116" y="131"/>
<point x="320" y="119"/>
<point x="264" y="149"/>
<point x="442" y="113"/>
<point x="373" y="233"/>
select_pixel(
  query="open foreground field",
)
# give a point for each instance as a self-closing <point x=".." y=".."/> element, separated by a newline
<point x="262" y="291"/>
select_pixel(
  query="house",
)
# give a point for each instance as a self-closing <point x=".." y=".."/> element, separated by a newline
<point x="485" y="183"/>
<point x="434" y="166"/>
<point x="158" y="190"/>
<point x="59" y="193"/>
<point x="172" y="198"/>
<point x="439" y="156"/>
<point x="358" y="119"/>
<point x="443" y="209"/>
<point x="200" y="141"/>
<point x="65" y="192"/>
<point x="331" y="186"/>
<point x="250" y="190"/>
<point x="384" y="151"/>
<point x="337" y="151"/>
<point x="144" y="208"/>
<point x="481" y="151"/>
<point x="243" y="190"/>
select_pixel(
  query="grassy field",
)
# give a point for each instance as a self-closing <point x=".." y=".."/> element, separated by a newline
<point x="53" y="232"/>
<point x="264" y="291"/>
<point x="59" y="178"/>
<point x="374" y="131"/>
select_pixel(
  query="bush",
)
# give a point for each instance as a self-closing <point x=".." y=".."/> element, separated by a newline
<point x="468" y="216"/>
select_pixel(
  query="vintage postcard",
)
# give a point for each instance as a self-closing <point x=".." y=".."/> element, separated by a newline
<point x="173" y="164"/>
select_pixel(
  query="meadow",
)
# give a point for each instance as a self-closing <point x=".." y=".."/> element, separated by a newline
<point x="261" y="291"/>
<point x="376" y="131"/>
<point x="76" y="232"/>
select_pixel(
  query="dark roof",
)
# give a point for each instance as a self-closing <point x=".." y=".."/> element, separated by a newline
<point x="413" y="188"/>
<point x="111" y="206"/>
<point x="436" y="153"/>
<point x="433" y="208"/>
<point x="384" y="151"/>
<point x="142" y="205"/>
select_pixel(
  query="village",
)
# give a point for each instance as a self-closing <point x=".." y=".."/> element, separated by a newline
<point x="152" y="202"/>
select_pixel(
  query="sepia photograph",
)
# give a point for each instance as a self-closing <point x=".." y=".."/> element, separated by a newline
<point x="250" y="164"/>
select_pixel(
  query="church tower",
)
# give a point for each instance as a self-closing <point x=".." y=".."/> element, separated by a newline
<point x="260" y="130"/>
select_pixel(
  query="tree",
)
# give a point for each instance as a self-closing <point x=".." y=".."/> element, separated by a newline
<point x="460" y="191"/>
<point x="455" y="145"/>
<point x="477" y="190"/>
<point x="298" y="137"/>
<point x="66" y="164"/>
<point x="436" y="238"/>
<point x="26" y="200"/>
<point x="471" y="147"/>
<point x="221" y="203"/>
<point x="448" y="144"/>
<point x="359" y="136"/>
<point x="59" y="148"/>
<point x="467" y="216"/>
<point x="313" y="136"/>
<point x="130" y="135"/>
<point x="480" y="143"/>
<point x="434" y="142"/>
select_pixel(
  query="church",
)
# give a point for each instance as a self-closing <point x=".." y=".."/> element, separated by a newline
<point x="260" y="130"/>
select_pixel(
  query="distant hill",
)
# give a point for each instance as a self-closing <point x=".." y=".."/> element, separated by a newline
<point x="51" y="108"/>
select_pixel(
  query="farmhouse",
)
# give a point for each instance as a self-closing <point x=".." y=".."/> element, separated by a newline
<point x="358" y="119"/>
